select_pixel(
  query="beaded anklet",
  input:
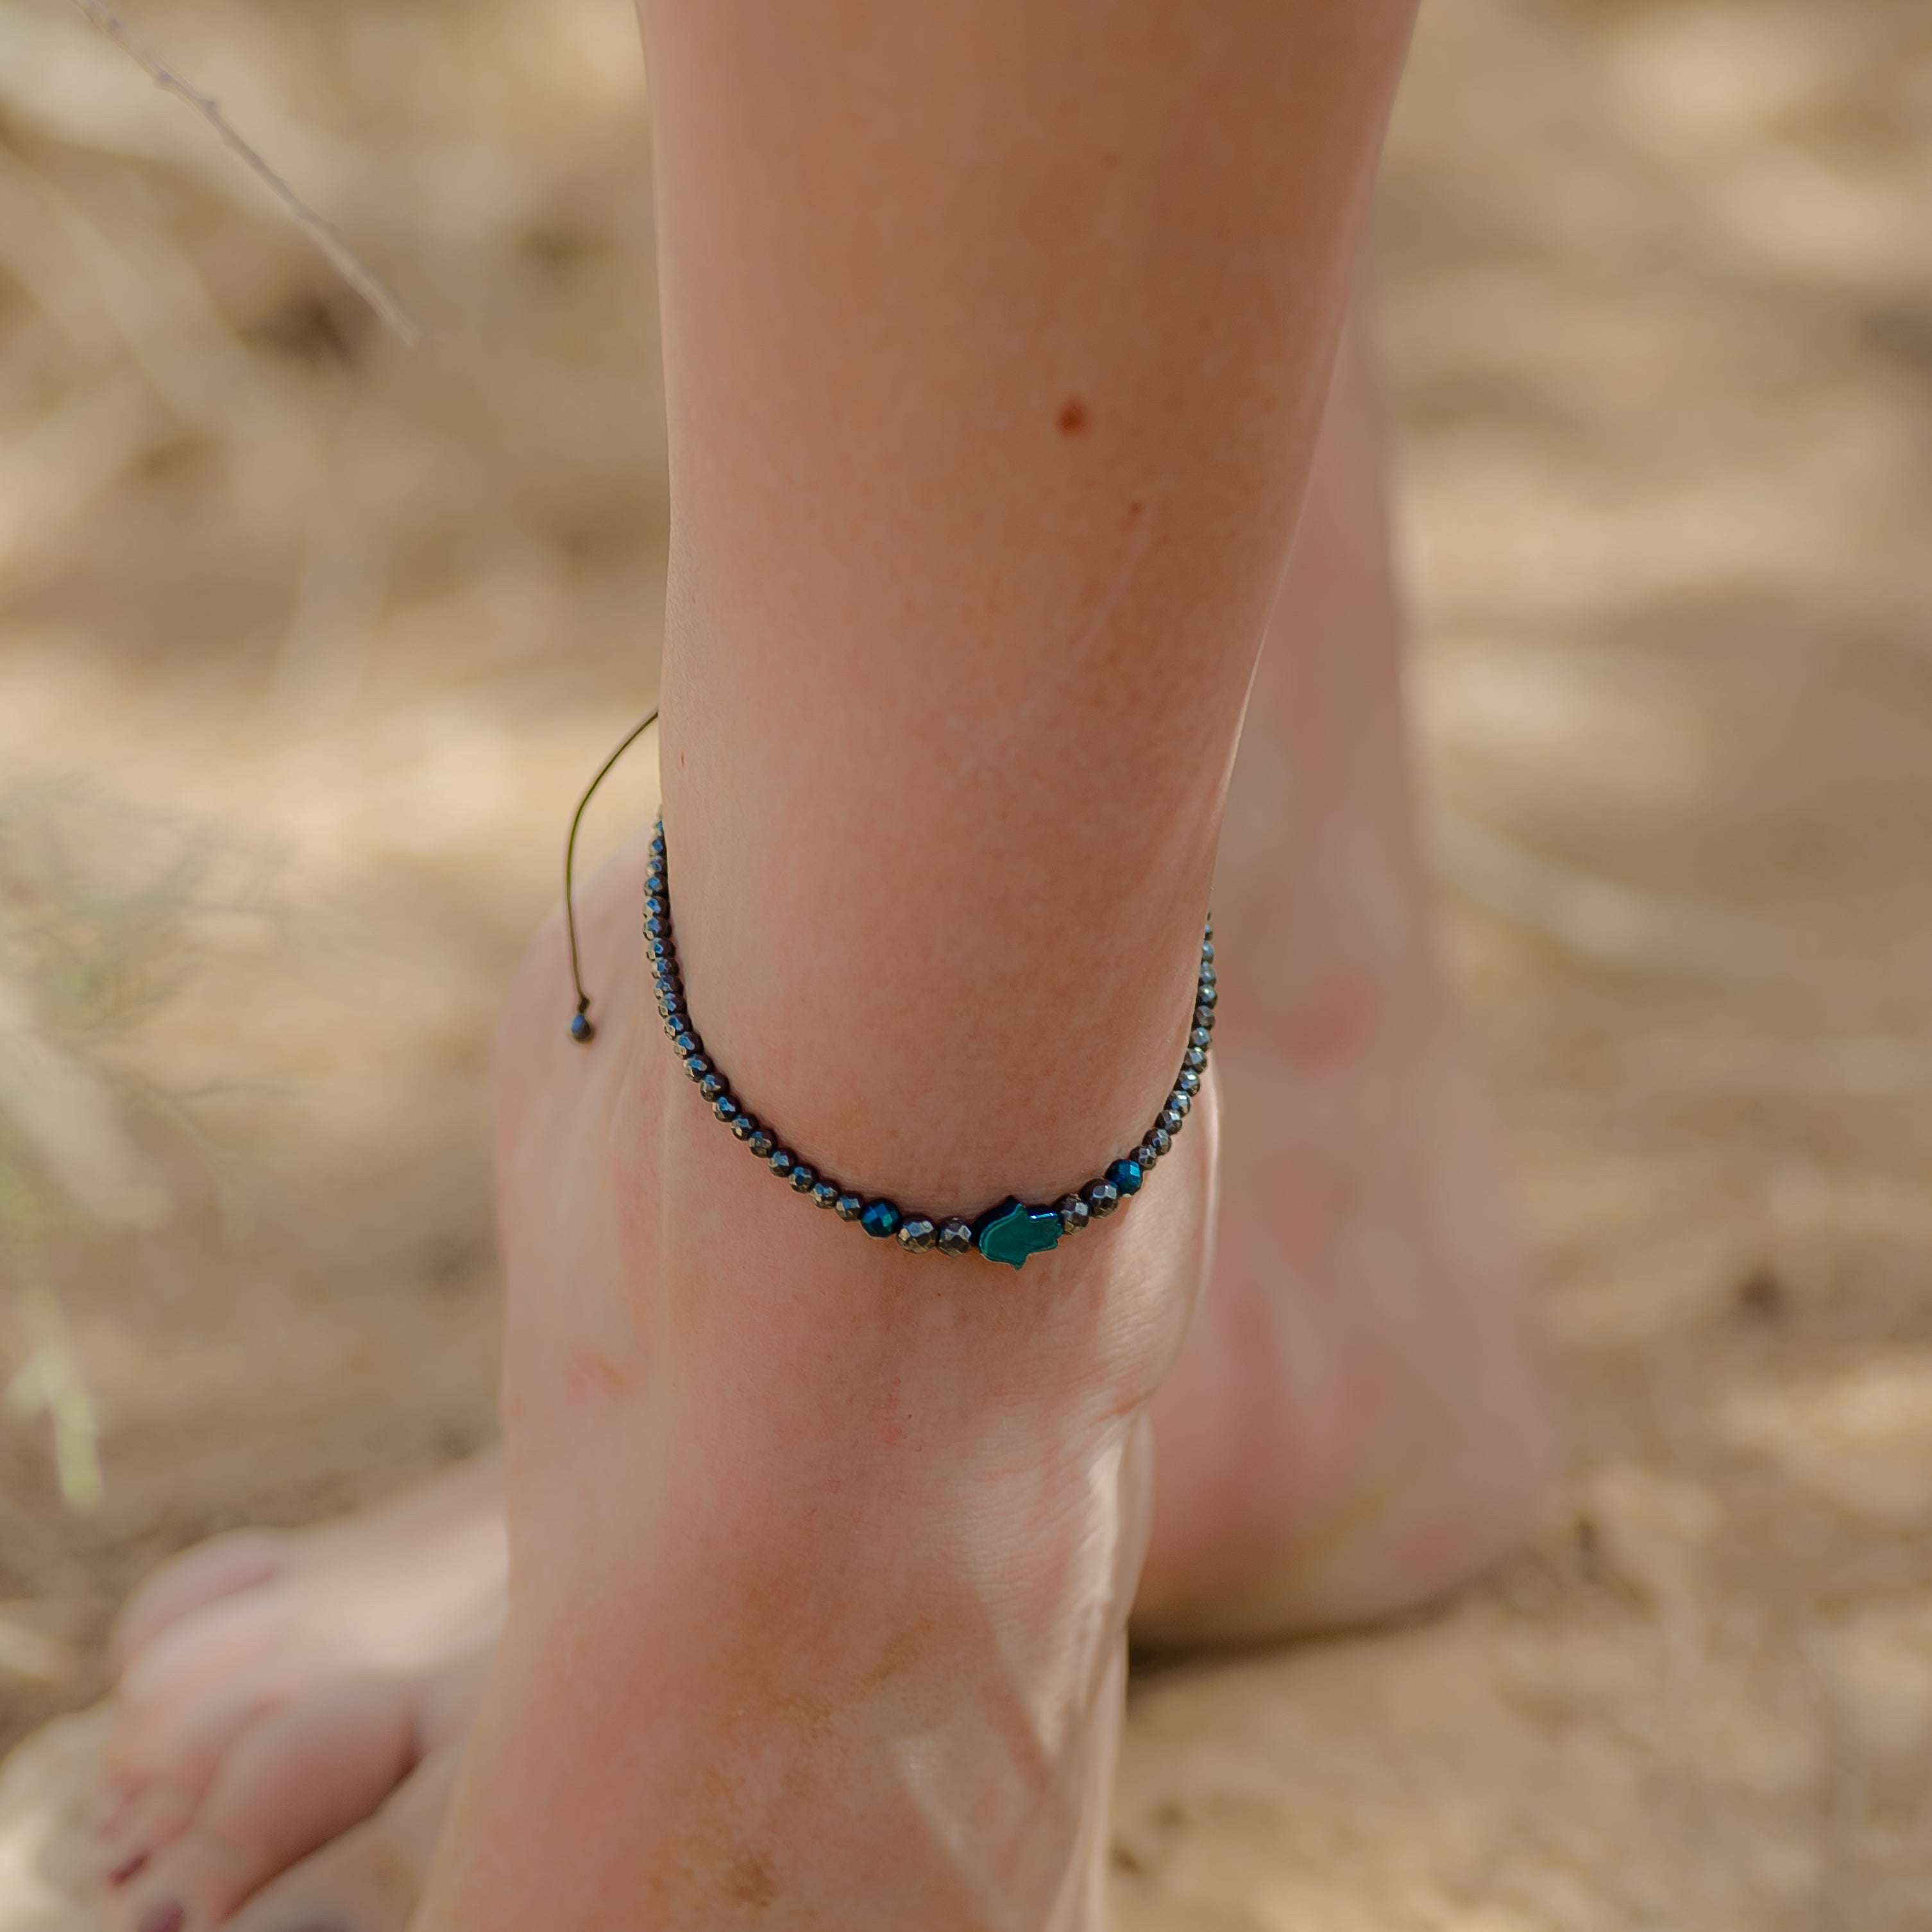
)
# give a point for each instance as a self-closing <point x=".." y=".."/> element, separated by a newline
<point x="1009" y="1232"/>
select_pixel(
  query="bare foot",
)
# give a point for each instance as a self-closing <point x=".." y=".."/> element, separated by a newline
<point x="1358" y="1421"/>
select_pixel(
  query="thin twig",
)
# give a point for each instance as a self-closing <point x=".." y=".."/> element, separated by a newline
<point x="347" y="263"/>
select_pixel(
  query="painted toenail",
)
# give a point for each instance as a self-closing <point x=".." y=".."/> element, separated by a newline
<point x="166" y="1917"/>
<point x="130" y="1866"/>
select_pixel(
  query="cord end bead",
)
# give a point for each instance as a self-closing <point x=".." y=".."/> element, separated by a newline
<point x="581" y="1030"/>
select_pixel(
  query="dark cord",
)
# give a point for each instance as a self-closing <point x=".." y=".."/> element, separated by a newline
<point x="581" y="1030"/>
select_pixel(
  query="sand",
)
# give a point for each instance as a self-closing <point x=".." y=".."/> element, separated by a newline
<point x="1657" y="289"/>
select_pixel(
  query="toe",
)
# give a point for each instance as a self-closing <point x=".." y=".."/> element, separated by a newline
<point x="291" y="1784"/>
<point x="192" y="1581"/>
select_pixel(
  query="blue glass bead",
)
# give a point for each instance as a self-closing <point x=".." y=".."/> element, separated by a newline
<point x="746" y="1126"/>
<point x="781" y="1162"/>
<point x="1161" y="1140"/>
<point x="697" y="1066"/>
<point x="712" y="1085"/>
<point x="1102" y="1197"/>
<point x="1126" y="1175"/>
<point x="804" y="1178"/>
<point x="687" y="1045"/>
<point x="1074" y="1213"/>
<point x="917" y="1235"/>
<point x="849" y="1207"/>
<point x="880" y="1219"/>
<point x="826" y="1194"/>
<point x="956" y="1237"/>
<point x="1013" y="1231"/>
<point x="762" y="1143"/>
<point x="1189" y="1082"/>
<point x="581" y="1030"/>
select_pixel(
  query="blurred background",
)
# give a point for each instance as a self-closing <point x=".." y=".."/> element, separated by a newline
<point x="308" y="640"/>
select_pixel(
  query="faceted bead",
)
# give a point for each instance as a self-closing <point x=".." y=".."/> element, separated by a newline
<point x="780" y="1162"/>
<point x="661" y="951"/>
<point x="657" y="926"/>
<point x="581" y="1030"/>
<point x="1207" y="993"/>
<point x="762" y="1142"/>
<point x="1180" y="1102"/>
<point x="916" y="1234"/>
<point x="1189" y="1081"/>
<point x="879" y="1220"/>
<point x="655" y="878"/>
<point x="1204" y="1018"/>
<point x="1206" y="973"/>
<point x="746" y="1126"/>
<point x="1161" y="1140"/>
<point x="725" y="1108"/>
<point x="826" y="1194"/>
<point x="849" y="1207"/>
<point x="1126" y="1175"/>
<point x="1195" y="1059"/>
<point x="1200" y="1040"/>
<point x="697" y="1066"/>
<point x="1169" y="1122"/>
<point x="686" y="1045"/>
<point x="1074" y="1213"/>
<point x="655" y="907"/>
<point x="804" y="1178"/>
<point x="1208" y="948"/>
<point x="956" y="1237"/>
<point x="712" y="1085"/>
<point x="1102" y="1197"/>
<point x="1147" y="1154"/>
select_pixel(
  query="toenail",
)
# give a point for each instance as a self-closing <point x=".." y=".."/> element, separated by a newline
<point x="130" y="1866"/>
<point x="166" y="1917"/>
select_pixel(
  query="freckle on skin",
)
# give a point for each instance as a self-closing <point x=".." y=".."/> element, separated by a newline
<point x="1072" y="416"/>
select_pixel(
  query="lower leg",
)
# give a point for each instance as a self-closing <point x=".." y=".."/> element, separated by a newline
<point x="992" y="389"/>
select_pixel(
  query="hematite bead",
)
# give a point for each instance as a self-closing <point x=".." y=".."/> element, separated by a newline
<point x="1207" y="993"/>
<point x="1207" y="947"/>
<point x="712" y="1085"/>
<point x="827" y="1193"/>
<point x="1102" y="1197"/>
<point x="697" y="1066"/>
<point x="1180" y="1102"/>
<point x="781" y="1162"/>
<point x="762" y="1143"/>
<point x="916" y="1234"/>
<point x="662" y="950"/>
<point x="1194" y="1060"/>
<point x="879" y="1220"/>
<point x="1204" y="1018"/>
<point x="956" y="1237"/>
<point x="849" y="1207"/>
<point x="686" y="1045"/>
<point x="656" y="926"/>
<point x="1189" y="1081"/>
<point x="1161" y="1140"/>
<point x="1126" y="1175"/>
<point x="1169" y="1122"/>
<point x="1200" y="1039"/>
<point x="746" y="1126"/>
<point x="1147" y="1154"/>
<point x="726" y="1109"/>
<point x="1074" y="1213"/>
<point x="804" y="1179"/>
<point x="654" y="907"/>
<point x="1206" y="973"/>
